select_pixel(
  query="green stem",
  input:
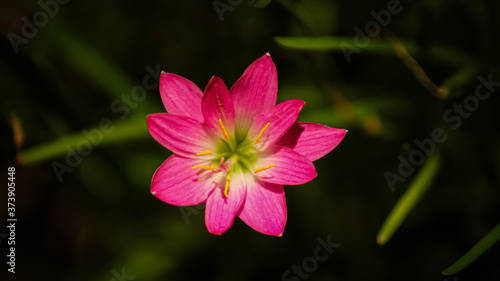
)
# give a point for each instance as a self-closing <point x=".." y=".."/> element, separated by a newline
<point x="475" y="252"/>
<point x="131" y="129"/>
<point x="341" y="44"/>
<point x="410" y="198"/>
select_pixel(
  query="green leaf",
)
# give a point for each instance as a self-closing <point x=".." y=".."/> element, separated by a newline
<point x="259" y="3"/>
<point x="332" y="43"/>
<point x="410" y="198"/>
<point x="130" y="129"/>
<point x="475" y="252"/>
<point x="93" y="64"/>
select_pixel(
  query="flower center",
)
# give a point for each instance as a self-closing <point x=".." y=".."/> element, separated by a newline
<point x="241" y="153"/>
<point x="236" y="154"/>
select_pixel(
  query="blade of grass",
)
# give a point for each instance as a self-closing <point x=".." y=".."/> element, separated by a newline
<point x="93" y="64"/>
<point x="98" y="68"/>
<point x="410" y="198"/>
<point x="475" y="252"/>
<point x="334" y="43"/>
<point x="130" y="129"/>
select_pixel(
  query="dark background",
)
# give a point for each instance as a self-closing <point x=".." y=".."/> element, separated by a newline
<point x="100" y="218"/>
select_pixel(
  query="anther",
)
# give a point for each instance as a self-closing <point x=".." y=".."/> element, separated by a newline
<point x="223" y="129"/>
<point x="262" y="133"/>
<point x="226" y="188"/>
<point x="210" y="168"/>
<point x="208" y="152"/>
<point x="263" y="168"/>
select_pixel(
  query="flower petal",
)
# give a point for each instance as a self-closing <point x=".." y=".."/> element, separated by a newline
<point x="280" y="119"/>
<point x="265" y="208"/>
<point x="290" y="167"/>
<point x="312" y="140"/>
<point x="221" y="210"/>
<point x="255" y="92"/>
<point x="182" y="135"/>
<point x="176" y="182"/>
<point x="217" y="105"/>
<point x="180" y="96"/>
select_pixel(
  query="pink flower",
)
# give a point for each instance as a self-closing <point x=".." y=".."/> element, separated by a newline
<point x="235" y="149"/>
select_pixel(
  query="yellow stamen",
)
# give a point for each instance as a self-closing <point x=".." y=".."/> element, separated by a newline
<point x="223" y="129"/>
<point x="262" y="133"/>
<point x="226" y="188"/>
<point x="210" y="168"/>
<point x="208" y="152"/>
<point x="263" y="168"/>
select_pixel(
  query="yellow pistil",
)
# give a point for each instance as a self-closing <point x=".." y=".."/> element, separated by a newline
<point x="223" y="129"/>
<point x="226" y="188"/>
<point x="208" y="152"/>
<point x="210" y="168"/>
<point x="262" y="133"/>
<point x="263" y="168"/>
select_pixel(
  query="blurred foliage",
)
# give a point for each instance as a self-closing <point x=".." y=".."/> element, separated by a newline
<point x="259" y="3"/>
<point x="410" y="198"/>
<point x="77" y="75"/>
<point x="484" y="244"/>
